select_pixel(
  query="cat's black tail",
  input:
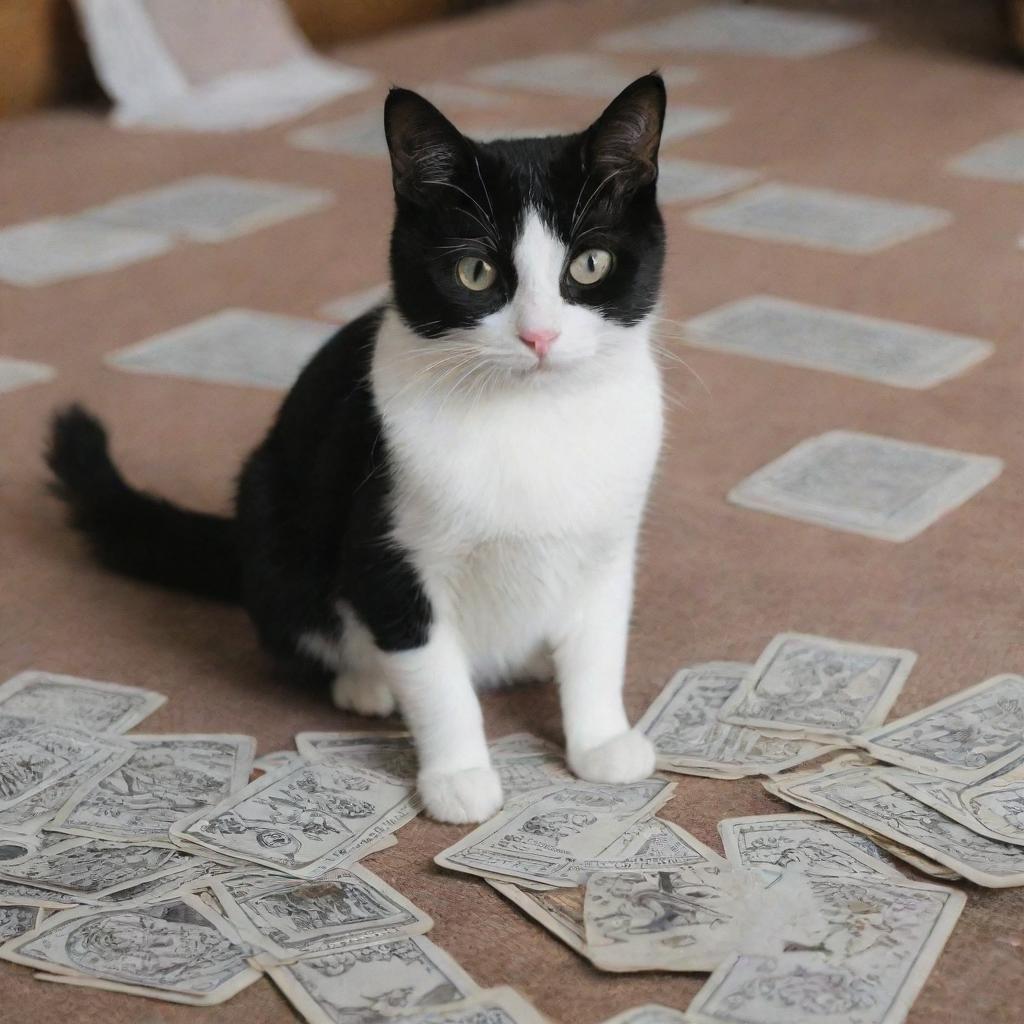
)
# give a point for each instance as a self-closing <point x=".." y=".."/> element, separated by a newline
<point x="132" y="532"/>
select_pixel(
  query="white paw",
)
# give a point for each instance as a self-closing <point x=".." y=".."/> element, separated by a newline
<point x="363" y="694"/>
<point x="461" y="798"/>
<point x="628" y="757"/>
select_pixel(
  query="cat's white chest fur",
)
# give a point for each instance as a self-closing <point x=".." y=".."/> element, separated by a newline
<point x="507" y="503"/>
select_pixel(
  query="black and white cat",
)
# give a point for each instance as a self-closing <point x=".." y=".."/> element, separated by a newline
<point x="451" y="493"/>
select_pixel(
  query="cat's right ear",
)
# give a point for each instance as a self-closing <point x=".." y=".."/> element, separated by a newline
<point x="426" y="148"/>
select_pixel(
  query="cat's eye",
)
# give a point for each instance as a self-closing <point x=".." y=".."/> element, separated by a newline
<point x="475" y="273"/>
<point x="590" y="266"/>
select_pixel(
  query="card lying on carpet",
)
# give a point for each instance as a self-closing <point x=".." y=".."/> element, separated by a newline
<point x="210" y="207"/>
<point x="234" y="346"/>
<point x="820" y="218"/>
<point x="819" y="688"/>
<point x="877" y="486"/>
<point x="20" y="373"/>
<point x="47" y="251"/>
<point x="747" y="29"/>
<point x="681" y="181"/>
<point x="407" y="975"/>
<point x="1000" y="159"/>
<point x="886" y="351"/>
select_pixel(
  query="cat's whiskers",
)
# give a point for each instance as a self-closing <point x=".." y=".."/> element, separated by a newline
<point x="487" y="224"/>
<point x="593" y="195"/>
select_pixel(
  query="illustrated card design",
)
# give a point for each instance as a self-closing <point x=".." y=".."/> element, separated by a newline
<point x="79" y="703"/>
<point x="167" y="778"/>
<point x="17" y="919"/>
<point x="802" y="842"/>
<point x="176" y="947"/>
<point x="860" y="483"/>
<point x="862" y="796"/>
<point x="373" y="983"/>
<point x="818" y="686"/>
<point x="544" y="839"/>
<point x="820" y="218"/>
<point x="304" y="820"/>
<point x="295" y="918"/>
<point x="796" y="334"/>
<point x="965" y="737"/>
<point x="883" y="939"/>
<point x="91" y="868"/>
<point x="683" y="724"/>
<point x="36" y="754"/>
<point x="560" y="911"/>
<point x="235" y="346"/>
<point x="210" y="207"/>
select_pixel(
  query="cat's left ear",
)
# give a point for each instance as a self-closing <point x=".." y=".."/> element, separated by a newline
<point x="426" y="148"/>
<point x="623" y="142"/>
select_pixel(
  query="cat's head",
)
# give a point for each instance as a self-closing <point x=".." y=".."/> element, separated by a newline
<point x="530" y="256"/>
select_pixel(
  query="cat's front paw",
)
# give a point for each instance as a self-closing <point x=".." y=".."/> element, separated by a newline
<point x="365" y="695"/>
<point x="628" y="757"/>
<point x="461" y="798"/>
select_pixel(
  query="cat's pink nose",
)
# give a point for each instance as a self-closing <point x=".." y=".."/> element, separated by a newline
<point x="539" y="339"/>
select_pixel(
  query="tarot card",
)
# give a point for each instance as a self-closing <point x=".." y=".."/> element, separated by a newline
<point x="28" y="816"/>
<point x="815" y="686"/>
<point x="305" y="820"/>
<point x="862" y="795"/>
<point x="90" y="868"/>
<point x="1000" y="159"/>
<point x="650" y="846"/>
<point x="876" y="486"/>
<point x="20" y="373"/>
<point x="649" y="1013"/>
<point x="543" y="837"/>
<point x="178" y="950"/>
<point x="18" y="918"/>
<point x="78" y="703"/>
<point x="492" y="1006"/>
<point x="945" y="797"/>
<point x="965" y="737"/>
<point x="686" y="181"/>
<point x="683" y="724"/>
<point x="802" y="842"/>
<point x="210" y="207"/>
<point x="819" y="218"/>
<point x="165" y="779"/>
<point x="389" y="754"/>
<point x="754" y="30"/>
<point x="686" y="919"/>
<point x="46" y="251"/>
<point x="275" y="759"/>
<point x="348" y="307"/>
<point x="560" y="911"/>
<point x="235" y="346"/>
<point x="36" y="754"/>
<point x="887" y="351"/>
<point x="885" y="936"/>
<point x="293" y="918"/>
<point x="998" y="804"/>
<point x="373" y="983"/>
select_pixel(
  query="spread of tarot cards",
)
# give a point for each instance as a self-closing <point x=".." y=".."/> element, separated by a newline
<point x="182" y="868"/>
